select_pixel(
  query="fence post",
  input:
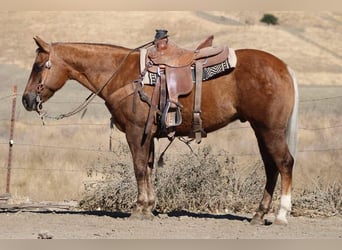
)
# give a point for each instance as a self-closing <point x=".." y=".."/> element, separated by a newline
<point x="10" y="146"/>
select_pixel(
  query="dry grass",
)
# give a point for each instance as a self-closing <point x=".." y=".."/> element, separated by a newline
<point x="308" y="41"/>
<point x="319" y="200"/>
<point x="51" y="162"/>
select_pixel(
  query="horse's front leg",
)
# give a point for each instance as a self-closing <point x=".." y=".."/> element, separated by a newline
<point x="143" y="160"/>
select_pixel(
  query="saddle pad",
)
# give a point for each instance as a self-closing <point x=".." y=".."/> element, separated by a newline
<point x="212" y="71"/>
<point x="208" y="72"/>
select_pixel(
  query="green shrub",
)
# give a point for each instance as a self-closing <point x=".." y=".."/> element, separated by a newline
<point x="269" y="19"/>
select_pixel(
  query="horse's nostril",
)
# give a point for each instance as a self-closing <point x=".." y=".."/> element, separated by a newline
<point x="24" y="101"/>
<point x="29" y="101"/>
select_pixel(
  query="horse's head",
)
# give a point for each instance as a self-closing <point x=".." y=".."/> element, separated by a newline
<point x="49" y="73"/>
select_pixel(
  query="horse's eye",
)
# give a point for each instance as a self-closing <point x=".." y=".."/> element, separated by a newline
<point x="37" y="68"/>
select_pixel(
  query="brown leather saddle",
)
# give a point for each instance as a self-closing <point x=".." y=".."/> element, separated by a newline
<point x="173" y="67"/>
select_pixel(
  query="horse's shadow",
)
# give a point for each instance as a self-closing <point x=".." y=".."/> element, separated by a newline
<point x="115" y="215"/>
<point x="123" y="215"/>
<point x="208" y="215"/>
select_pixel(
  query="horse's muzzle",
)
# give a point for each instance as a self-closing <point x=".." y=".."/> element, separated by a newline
<point x="29" y="101"/>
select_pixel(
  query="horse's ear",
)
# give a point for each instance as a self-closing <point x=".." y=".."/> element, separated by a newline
<point x="41" y="44"/>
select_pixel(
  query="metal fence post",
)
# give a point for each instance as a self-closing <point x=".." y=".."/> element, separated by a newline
<point x="11" y="142"/>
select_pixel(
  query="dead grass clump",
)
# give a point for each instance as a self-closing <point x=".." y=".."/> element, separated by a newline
<point x="116" y="191"/>
<point x="117" y="194"/>
<point x="204" y="182"/>
<point x="199" y="183"/>
<point x="322" y="200"/>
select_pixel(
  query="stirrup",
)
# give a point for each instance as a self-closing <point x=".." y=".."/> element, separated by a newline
<point x="171" y="117"/>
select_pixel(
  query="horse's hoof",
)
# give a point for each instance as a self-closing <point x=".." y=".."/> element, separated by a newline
<point x="257" y="220"/>
<point x="280" y="222"/>
<point x="141" y="216"/>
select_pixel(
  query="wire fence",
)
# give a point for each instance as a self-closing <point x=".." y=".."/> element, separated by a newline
<point x="3" y="142"/>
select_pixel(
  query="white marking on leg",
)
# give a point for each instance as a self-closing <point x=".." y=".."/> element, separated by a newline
<point x="285" y="207"/>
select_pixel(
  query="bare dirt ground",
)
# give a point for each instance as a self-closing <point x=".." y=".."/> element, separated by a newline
<point x="102" y="225"/>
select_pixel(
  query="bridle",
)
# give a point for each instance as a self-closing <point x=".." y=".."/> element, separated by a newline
<point x="41" y="86"/>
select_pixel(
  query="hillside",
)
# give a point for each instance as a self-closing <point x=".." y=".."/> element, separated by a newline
<point x="310" y="42"/>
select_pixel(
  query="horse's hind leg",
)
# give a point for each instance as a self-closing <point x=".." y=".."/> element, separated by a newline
<point x="271" y="180"/>
<point x="277" y="159"/>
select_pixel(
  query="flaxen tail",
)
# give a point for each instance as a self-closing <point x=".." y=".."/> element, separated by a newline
<point x="292" y="126"/>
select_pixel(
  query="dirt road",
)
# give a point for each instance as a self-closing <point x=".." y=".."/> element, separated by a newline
<point x="100" y="225"/>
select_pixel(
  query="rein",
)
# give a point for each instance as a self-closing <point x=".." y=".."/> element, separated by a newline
<point x="43" y="114"/>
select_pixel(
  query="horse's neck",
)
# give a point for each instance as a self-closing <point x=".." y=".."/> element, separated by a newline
<point x="93" y="65"/>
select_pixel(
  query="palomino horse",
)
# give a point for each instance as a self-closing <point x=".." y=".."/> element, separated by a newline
<point x="261" y="90"/>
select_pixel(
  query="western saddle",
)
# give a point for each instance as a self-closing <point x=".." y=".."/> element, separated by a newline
<point x="172" y="70"/>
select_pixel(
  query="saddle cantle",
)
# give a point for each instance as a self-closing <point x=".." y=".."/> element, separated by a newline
<point x="173" y="71"/>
